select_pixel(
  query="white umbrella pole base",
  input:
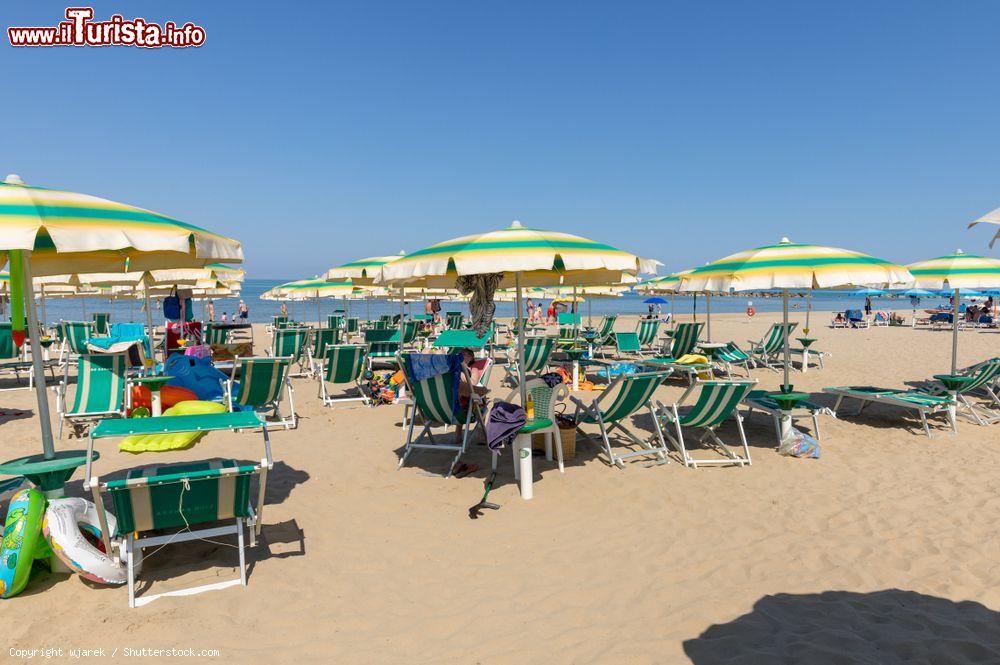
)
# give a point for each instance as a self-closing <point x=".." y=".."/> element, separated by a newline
<point x="522" y="465"/>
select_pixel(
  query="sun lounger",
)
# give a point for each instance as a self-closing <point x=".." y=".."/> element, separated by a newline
<point x="626" y="396"/>
<point x="537" y="351"/>
<point x="716" y="402"/>
<point x="910" y="400"/>
<point x="984" y="375"/>
<point x="290" y="343"/>
<point x="684" y="339"/>
<point x="12" y="359"/>
<point x="757" y="400"/>
<point x="101" y="391"/>
<point x="768" y="351"/>
<point x="74" y="336"/>
<point x="691" y="366"/>
<point x="343" y="365"/>
<point x="646" y="331"/>
<point x="260" y="387"/>
<point x="730" y="357"/>
<point x="316" y="350"/>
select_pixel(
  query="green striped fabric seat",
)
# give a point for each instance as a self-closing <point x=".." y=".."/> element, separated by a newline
<point x="537" y="351"/>
<point x="381" y="324"/>
<point x="335" y="321"/>
<point x="567" y="336"/>
<point x="604" y="330"/>
<point x="11" y="359"/>
<point x="260" y="386"/>
<point x="432" y="398"/>
<point x="407" y="332"/>
<point x="321" y="339"/>
<point x="151" y="497"/>
<point x="568" y="319"/>
<point x="102" y="323"/>
<point x="985" y="375"/>
<point x="75" y="335"/>
<point x="773" y="343"/>
<point x="353" y="325"/>
<point x="344" y="364"/>
<point x="731" y="356"/>
<point x="288" y="343"/>
<point x="383" y="350"/>
<point x="923" y="403"/>
<point x="627" y="342"/>
<point x="647" y="332"/>
<point x="685" y="339"/>
<point x="279" y="321"/>
<point x="625" y="397"/>
<point x="8" y="350"/>
<point x="216" y="335"/>
<point x="454" y="320"/>
<point x="717" y="401"/>
<point x="100" y="389"/>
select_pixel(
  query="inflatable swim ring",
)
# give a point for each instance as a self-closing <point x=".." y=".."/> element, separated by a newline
<point x="143" y="443"/>
<point x="67" y="524"/>
<point x="21" y="535"/>
<point x="169" y="395"/>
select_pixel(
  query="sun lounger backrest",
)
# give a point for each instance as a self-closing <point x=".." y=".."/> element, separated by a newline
<point x="216" y="335"/>
<point x="101" y="320"/>
<point x="647" y="331"/>
<point x="261" y="380"/>
<point x="8" y="350"/>
<point x="408" y="332"/>
<point x="567" y="334"/>
<point x="774" y="342"/>
<point x="323" y="338"/>
<point x="536" y="353"/>
<point x="334" y="320"/>
<point x="986" y="373"/>
<point x="100" y="383"/>
<point x="634" y="392"/>
<point x="76" y="334"/>
<point x="344" y="362"/>
<point x="433" y="398"/>
<point x="603" y="335"/>
<point x="627" y="342"/>
<point x="716" y="402"/>
<point x="164" y="497"/>
<point x="685" y="338"/>
<point x="731" y="353"/>
<point x="455" y="320"/>
<point x="289" y="342"/>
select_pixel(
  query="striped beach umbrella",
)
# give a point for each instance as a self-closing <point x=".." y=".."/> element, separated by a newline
<point x="316" y="289"/>
<point x="956" y="272"/>
<point x="789" y="265"/>
<point x="362" y="271"/>
<point x="54" y="232"/>
<point x="992" y="217"/>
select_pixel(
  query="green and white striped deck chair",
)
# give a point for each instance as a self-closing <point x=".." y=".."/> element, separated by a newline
<point x="320" y="340"/>
<point x="621" y="400"/>
<point x="730" y="357"/>
<point x="102" y="323"/>
<point x="101" y="391"/>
<point x="455" y="320"/>
<point x="408" y="332"/>
<point x="758" y="400"/>
<point x="353" y="324"/>
<point x="335" y="321"/>
<point x="290" y="343"/>
<point x="216" y="335"/>
<point x="604" y="335"/>
<point x="12" y="358"/>
<point x="260" y="384"/>
<point x="983" y="376"/>
<point x="646" y="332"/>
<point x="382" y="346"/>
<point x="685" y="338"/>
<point x="278" y="321"/>
<point x="910" y="400"/>
<point x="343" y="364"/>
<point x="432" y="401"/>
<point x="768" y="351"/>
<point x="536" y="358"/>
<point x="627" y="343"/>
<point x="717" y="401"/>
<point x="186" y="494"/>
<point x="567" y="337"/>
<point x="74" y="339"/>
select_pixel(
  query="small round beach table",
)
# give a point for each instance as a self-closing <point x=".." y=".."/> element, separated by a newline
<point x="953" y="383"/>
<point x="786" y="402"/>
<point x="155" y="384"/>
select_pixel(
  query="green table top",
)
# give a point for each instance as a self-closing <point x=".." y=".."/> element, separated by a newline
<point x="153" y="382"/>
<point x="119" y="427"/>
<point x="534" y="425"/>
<point x="953" y="381"/>
<point x="806" y="341"/>
<point x="32" y="464"/>
<point x="466" y="339"/>
<point x="788" y="401"/>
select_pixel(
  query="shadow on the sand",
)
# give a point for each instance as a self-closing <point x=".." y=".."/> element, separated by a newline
<point x="10" y="415"/>
<point x="884" y="627"/>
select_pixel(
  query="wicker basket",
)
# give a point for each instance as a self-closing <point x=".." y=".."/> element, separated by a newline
<point x="567" y="434"/>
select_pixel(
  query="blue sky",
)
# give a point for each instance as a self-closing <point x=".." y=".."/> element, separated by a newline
<point x="682" y="131"/>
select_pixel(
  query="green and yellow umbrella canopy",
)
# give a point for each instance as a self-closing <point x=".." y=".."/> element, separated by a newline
<point x="71" y="233"/>
<point x="543" y="258"/>
<point x="305" y="289"/>
<point x="664" y="284"/>
<point x="957" y="271"/>
<point x="789" y="265"/>
<point x="362" y="271"/>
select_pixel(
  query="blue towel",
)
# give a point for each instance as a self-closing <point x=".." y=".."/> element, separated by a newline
<point x="423" y="366"/>
<point x="123" y="332"/>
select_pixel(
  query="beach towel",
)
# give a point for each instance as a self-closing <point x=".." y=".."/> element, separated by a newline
<point x="481" y="305"/>
<point x="423" y="366"/>
<point x="504" y="422"/>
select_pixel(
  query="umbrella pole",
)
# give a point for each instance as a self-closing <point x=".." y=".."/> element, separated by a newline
<point x="149" y="319"/>
<point x="522" y="443"/>
<point x="48" y="448"/>
<point x="590" y="312"/>
<point x="575" y="315"/>
<point x="708" y="316"/>
<point x="673" y="322"/>
<point x="809" y="306"/>
<point x="317" y="312"/>
<point x="784" y="321"/>
<point x="954" y="333"/>
<point x="41" y="301"/>
<point x="83" y="306"/>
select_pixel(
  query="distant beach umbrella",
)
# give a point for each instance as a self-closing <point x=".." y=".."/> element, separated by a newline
<point x="955" y="272"/>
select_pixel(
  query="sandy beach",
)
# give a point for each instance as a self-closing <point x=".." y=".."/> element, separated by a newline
<point x="884" y="549"/>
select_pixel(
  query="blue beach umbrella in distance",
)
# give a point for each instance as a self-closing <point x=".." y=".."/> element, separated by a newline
<point x="866" y="293"/>
<point x="654" y="301"/>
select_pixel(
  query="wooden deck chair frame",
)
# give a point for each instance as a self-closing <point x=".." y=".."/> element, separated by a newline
<point x="273" y="403"/>
<point x="118" y="394"/>
<point x="611" y="418"/>
<point x="430" y="419"/>
<point x="343" y="364"/>
<point x="708" y="415"/>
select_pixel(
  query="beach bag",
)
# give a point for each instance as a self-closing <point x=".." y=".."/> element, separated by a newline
<point x="172" y="308"/>
<point x="799" y="444"/>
